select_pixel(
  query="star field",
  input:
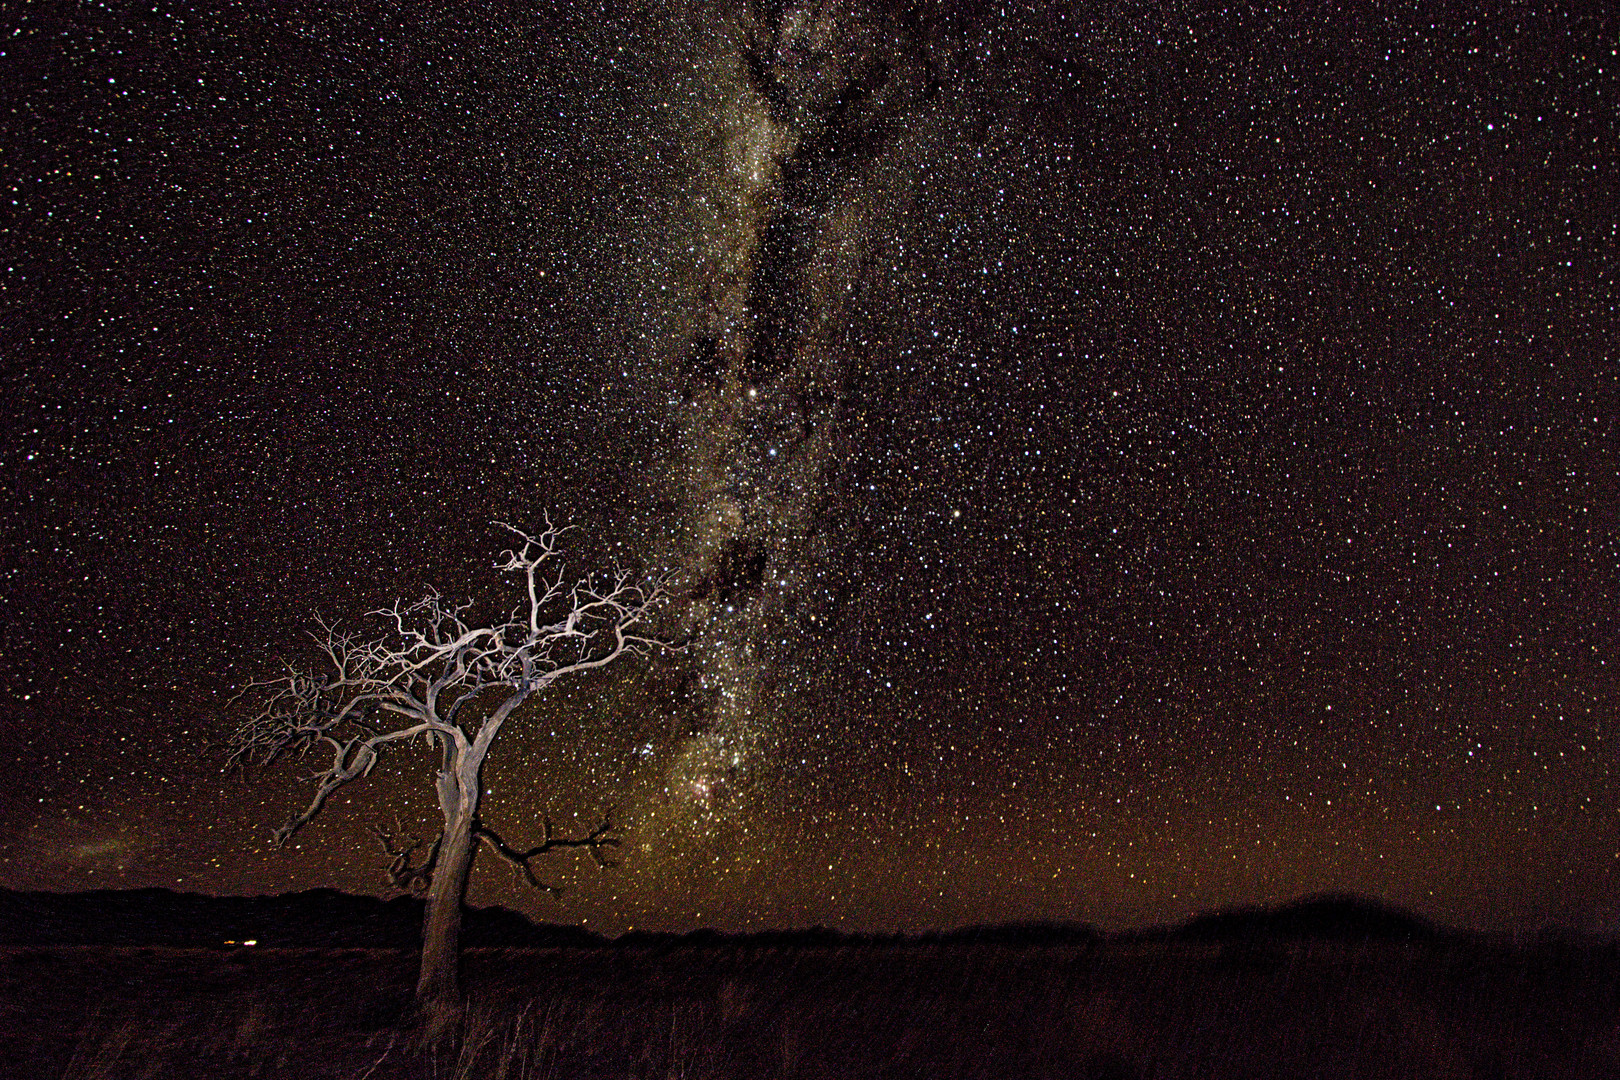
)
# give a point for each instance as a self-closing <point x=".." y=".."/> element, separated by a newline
<point x="1112" y="464"/>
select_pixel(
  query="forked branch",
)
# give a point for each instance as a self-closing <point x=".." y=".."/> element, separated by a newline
<point x="403" y="871"/>
<point x="430" y="673"/>
<point x="595" y="841"/>
<point x="433" y="670"/>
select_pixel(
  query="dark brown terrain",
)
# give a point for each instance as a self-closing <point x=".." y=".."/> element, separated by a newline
<point x="1108" y="1009"/>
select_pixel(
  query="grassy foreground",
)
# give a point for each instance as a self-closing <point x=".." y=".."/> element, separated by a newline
<point x="1109" y="1011"/>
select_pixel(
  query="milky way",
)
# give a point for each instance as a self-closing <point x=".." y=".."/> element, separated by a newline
<point x="782" y="275"/>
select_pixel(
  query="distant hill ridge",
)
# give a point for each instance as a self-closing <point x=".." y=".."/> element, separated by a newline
<point x="318" y="918"/>
<point x="327" y="918"/>
<point x="1341" y="917"/>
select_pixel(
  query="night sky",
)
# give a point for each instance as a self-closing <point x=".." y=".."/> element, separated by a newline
<point x="1114" y="463"/>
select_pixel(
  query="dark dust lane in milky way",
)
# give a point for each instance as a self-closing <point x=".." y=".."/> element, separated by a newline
<point x="776" y="366"/>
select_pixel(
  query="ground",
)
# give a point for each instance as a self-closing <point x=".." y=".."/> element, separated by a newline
<point x="1111" y="1010"/>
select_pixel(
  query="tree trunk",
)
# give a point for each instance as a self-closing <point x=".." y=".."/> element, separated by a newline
<point x="438" y="988"/>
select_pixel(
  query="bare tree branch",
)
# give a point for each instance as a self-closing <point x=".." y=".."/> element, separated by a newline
<point x="403" y="872"/>
<point x="597" y="839"/>
<point x="430" y="667"/>
<point x="432" y="673"/>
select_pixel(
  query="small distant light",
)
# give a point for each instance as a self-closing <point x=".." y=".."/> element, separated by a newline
<point x="250" y="942"/>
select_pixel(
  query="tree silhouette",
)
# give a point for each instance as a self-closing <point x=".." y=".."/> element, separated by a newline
<point x="432" y="675"/>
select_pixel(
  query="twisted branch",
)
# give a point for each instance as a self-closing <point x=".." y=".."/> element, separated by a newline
<point x="432" y="674"/>
<point x="403" y="872"/>
<point x="597" y="839"/>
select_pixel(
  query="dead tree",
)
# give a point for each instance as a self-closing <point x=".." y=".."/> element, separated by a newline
<point x="433" y="676"/>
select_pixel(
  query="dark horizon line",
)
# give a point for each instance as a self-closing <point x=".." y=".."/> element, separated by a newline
<point x="1334" y="915"/>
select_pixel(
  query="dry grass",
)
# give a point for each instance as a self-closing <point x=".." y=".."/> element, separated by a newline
<point x="902" y="1011"/>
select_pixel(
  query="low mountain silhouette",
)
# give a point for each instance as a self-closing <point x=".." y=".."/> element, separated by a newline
<point x="1343" y="917"/>
<point x="326" y="918"/>
<point x="318" y="918"/>
<point x="1019" y="933"/>
<point x="1022" y="934"/>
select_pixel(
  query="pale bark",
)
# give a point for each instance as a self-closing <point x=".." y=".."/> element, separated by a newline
<point x="438" y="985"/>
<point x="431" y="674"/>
